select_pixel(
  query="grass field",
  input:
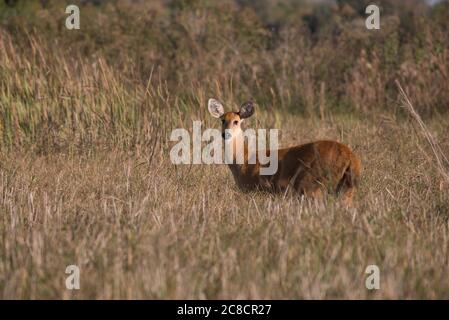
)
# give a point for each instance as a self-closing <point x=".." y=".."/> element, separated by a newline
<point x="86" y="178"/>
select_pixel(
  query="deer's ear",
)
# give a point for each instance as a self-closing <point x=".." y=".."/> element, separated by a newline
<point x="215" y="108"/>
<point x="246" y="110"/>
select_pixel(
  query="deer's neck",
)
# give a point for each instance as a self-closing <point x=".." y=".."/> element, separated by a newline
<point x="245" y="174"/>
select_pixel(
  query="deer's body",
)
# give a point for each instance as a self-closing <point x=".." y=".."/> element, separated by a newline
<point x="311" y="169"/>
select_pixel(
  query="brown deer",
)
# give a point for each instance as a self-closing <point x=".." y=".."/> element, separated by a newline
<point x="312" y="169"/>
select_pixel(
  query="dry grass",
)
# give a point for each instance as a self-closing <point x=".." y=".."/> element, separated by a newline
<point x="85" y="176"/>
<point x="150" y="230"/>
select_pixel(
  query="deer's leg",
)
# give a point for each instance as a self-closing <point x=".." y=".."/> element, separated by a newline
<point x="310" y="186"/>
<point x="347" y="196"/>
<point x="346" y="186"/>
<point x="315" y="192"/>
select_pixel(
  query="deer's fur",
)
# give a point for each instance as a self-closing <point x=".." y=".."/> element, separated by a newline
<point x="311" y="169"/>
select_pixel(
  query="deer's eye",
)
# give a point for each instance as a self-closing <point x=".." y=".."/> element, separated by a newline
<point x="236" y="122"/>
<point x="223" y="121"/>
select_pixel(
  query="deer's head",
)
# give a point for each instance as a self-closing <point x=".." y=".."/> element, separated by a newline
<point x="230" y="121"/>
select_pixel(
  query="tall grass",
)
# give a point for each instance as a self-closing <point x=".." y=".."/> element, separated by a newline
<point x="85" y="176"/>
<point x="133" y="61"/>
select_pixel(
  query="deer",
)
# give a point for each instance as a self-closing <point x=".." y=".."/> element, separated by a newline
<point x="311" y="170"/>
